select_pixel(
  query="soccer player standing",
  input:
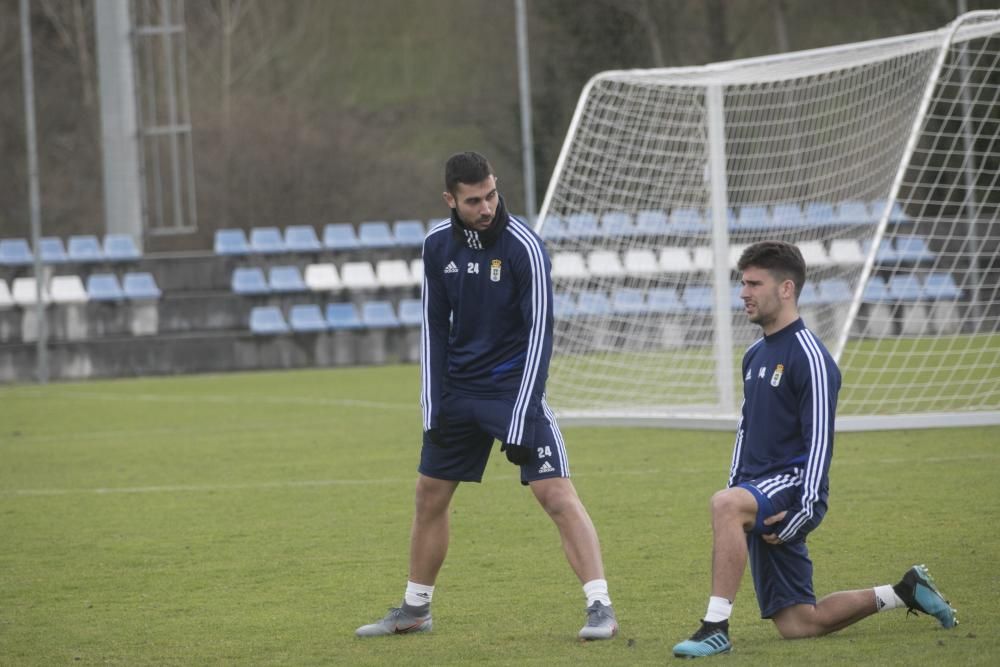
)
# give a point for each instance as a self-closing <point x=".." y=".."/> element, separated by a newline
<point x="486" y="344"/>
<point x="778" y="481"/>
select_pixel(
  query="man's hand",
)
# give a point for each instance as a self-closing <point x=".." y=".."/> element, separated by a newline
<point x="772" y="538"/>
<point x="519" y="455"/>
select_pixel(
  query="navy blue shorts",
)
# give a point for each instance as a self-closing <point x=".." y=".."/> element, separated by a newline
<point x="782" y="573"/>
<point x="470" y="425"/>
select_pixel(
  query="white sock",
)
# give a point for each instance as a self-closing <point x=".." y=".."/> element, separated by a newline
<point x="719" y="609"/>
<point x="417" y="595"/>
<point x="596" y="590"/>
<point x="886" y="598"/>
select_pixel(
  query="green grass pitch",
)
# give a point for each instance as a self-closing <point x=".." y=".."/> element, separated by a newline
<point x="258" y="519"/>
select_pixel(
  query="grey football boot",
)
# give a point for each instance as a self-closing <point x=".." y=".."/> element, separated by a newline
<point x="399" y="621"/>
<point x="601" y="622"/>
<point x="918" y="592"/>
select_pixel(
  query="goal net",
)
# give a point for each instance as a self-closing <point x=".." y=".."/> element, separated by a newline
<point x="880" y="160"/>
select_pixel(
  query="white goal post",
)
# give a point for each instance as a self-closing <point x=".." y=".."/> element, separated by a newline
<point x="880" y="160"/>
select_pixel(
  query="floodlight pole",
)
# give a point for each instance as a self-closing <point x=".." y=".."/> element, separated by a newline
<point x="34" y="200"/>
<point x="524" y="86"/>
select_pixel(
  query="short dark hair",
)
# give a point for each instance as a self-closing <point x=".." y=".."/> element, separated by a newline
<point x="468" y="167"/>
<point x="783" y="261"/>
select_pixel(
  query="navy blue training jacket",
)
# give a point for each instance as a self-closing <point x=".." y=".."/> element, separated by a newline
<point x="487" y="320"/>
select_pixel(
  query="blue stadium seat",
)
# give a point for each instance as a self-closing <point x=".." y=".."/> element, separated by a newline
<point x="617" y="223"/>
<point x="554" y="228"/>
<point x="52" y="250"/>
<point x="140" y="286"/>
<point x="307" y="318"/>
<point x="664" y="300"/>
<point x="104" y="287"/>
<point x="409" y="233"/>
<point x="249" y="280"/>
<point x="120" y="248"/>
<point x="378" y="315"/>
<point x="343" y="316"/>
<point x="699" y="298"/>
<point x="266" y="241"/>
<point x="267" y="321"/>
<point x="885" y="255"/>
<point x="941" y="286"/>
<point x="301" y="238"/>
<point x="563" y="306"/>
<point x="581" y="226"/>
<point x="905" y="287"/>
<point x="876" y="291"/>
<point x="85" y="248"/>
<point x="810" y="295"/>
<point x="913" y="249"/>
<point x="820" y="214"/>
<point x="835" y="290"/>
<point x="628" y="300"/>
<point x="753" y="218"/>
<point x="592" y="303"/>
<point x="340" y="236"/>
<point x="652" y="223"/>
<point x="285" y="279"/>
<point x="787" y="216"/>
<point x="896" y="213"/>
<point x="853" y="213"/>
<point x="15" y="252"/>
<point x="411" y="312"/>
<point x="231" y="242"/>
<point x="688" y="221"/>
<point x="376" y="235"/>
<point x="735" y="302"/>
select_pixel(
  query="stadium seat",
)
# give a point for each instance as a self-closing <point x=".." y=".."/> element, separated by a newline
<point x="104" y="287"/>
<point x="641" y="262"/>
<point x="358" y="276"/>
<point x="810" y="295"/>
<point x="378" y="315"/>
<point x="249" y="280"/>
<point x="411" y="312"/>
<point x="285" y="279"/>
<point x="617" y="223"/>
<point x="266" y="241"/>
<point x="409" y="233"/>
<point x="322" y="278"/>
<point x="876" y="291"/>
<point x="554" y="228"/>
<point x="896" y="213"/>
<point x="417" y="271"/>
<point x="853" y="213"/>
<point x="67" y="289"/>
<point x="605" y="264"/>
<point x="120" y="248"/>
<point x="581" y="226"/>
<point x="6" y="298"/>
<point x="905" y="287"/>
<point x="819" y="214"/>
<point x="15" y="252"/>
<point x="24" y="292"/>
<point x="787" y="215"/>
<point x="814" y="254"/>
<point x="140" y="286"/>
<point x="674" y="259"/>
<point x="835" y="290"/>
<point x="52" y="250"/>
<point x="302" y="238"/>
<point x="340" y="236"/>
<point x="568" y="265"/>
<point x="393" y="273"/>
<point x="846" y="252"/>
<point x="688" y="221"/>
<point x="593" y="303"/>
<point x="628" y="300"/>
<point x="563" y="306"/>
<point x="307" y="318"/>
<point x="343" y="316"/>
<point x="704" y="259"/>
<point x="940" y="286"/>
<point x="84" y="248"/>
<point x="663" y="300"/>
<point x="735" y="252"/>
<point x="652" y="223"/>
<point x="375" y="235"/>
<point x="753" y="218"/>
<point x="913" y="250"/>
<point x="267" y="321"/>
<point x="735" y="302"/>
<point x="698" y="298"/>
<point x="231" y="242"/>
<point x="886" y="254"/>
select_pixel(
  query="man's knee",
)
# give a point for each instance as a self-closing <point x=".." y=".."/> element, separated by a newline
<point x="433" y="495"/>
<point x="556" y="495"/>
<point x="797" y="622"/>
<point x="734" y="504"/>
